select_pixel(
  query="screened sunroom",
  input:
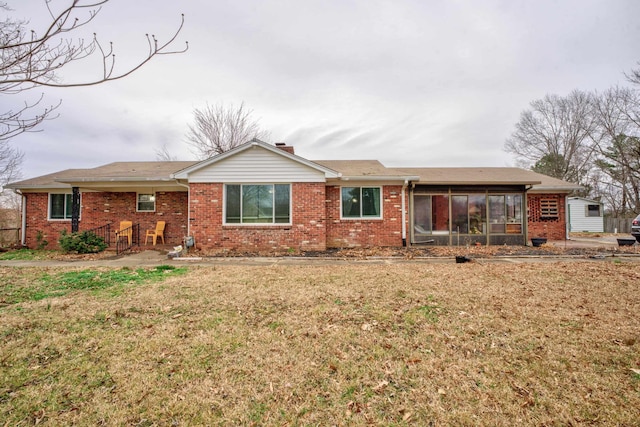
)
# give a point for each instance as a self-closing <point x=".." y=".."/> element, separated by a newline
<point x="457" y="215"/>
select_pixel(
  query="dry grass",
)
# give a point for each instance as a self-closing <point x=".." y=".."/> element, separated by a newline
<point x="404" y="344"/>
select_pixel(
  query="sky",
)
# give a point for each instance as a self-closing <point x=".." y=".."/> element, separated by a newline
<point x="410" y="83"/>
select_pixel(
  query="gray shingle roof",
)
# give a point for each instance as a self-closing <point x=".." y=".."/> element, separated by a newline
<point x="117" y="171"/>
<point x="357" y="167"/>
<point x="162" y="170"/>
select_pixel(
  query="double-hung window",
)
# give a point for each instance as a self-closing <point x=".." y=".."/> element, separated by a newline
<point x="60" y="206"/>
<point x="258" y="204"/>
<point x="146" y="202"/>
<point x="361" y="202"/>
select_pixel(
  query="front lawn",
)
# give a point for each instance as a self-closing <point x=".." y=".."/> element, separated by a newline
<point x="352" y="344"/>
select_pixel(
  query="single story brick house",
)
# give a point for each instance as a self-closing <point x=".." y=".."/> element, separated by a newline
<point x="263" y="197"/>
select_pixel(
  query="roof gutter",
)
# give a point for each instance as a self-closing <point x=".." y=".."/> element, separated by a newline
<point x="38" y="187"/>
<point x="476" y="183"/>
<point x="538" y="188"/>
<point x="115" y="179"/>
<point x="380" y="178"/>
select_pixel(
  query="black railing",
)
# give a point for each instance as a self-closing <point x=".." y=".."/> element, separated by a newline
<point x="127" y="238"/>
<point x="104" y="232"/>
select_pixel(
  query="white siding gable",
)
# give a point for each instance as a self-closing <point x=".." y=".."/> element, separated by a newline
<point x="257" y="165"/>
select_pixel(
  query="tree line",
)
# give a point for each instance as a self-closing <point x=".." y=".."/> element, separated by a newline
<point x="587" y="137"/>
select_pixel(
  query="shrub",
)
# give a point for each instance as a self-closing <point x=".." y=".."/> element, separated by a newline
<point x="85" y="242"/>
<point x="40" y="239"/>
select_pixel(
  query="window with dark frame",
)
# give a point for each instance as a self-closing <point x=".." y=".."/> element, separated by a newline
<point x="593" y="210"/>
<point x="361" y="202"/>
<point x="258" y="204"/>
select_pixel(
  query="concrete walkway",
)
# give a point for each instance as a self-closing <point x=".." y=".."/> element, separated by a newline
<point x="152" y="258"/>
<point x="604" y="242"/>
<point x="587" y="242"/>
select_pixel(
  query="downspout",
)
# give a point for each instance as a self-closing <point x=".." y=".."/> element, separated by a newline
<point x="450" y="225"/>
<point x="188" y="205"/>
<point x="404" y="215"/>
<point x="567" y="217"/>
<point x="525" y="219"/>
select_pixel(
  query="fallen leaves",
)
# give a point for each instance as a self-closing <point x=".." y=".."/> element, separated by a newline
<point x="358" y="343"/>
<point x="380" y="386"/>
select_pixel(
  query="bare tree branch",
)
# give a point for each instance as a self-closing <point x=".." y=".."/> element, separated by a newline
<point x="219" y="128"/>
<point x="10" y="161"/>
<point x="617" y="112"/>
<point x="29" y="59"/>
<point x="15" y="122"/>
<point x="558" y="132"/>
<point x="589" y="138"/>
<point x="634" y="75"/>
<point x="163" y="154"/>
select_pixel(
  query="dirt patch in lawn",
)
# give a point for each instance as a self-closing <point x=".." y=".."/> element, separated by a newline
<point x="471" y="251"/>
<point x="418" y="344"/>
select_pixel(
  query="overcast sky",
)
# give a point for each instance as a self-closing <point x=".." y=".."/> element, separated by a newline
<point x="410" y="83"/>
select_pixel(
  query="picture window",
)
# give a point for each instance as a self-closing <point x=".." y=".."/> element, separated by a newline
<point x="258" y="204"/>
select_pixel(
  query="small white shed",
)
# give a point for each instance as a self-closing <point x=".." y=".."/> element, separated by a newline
<point x="585" y="215"/>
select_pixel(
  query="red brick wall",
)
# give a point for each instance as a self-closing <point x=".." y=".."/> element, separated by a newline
<point x="316" y="222"/>
<point x="365" y="232"/>
<point x="552" y="229"/>
<point x="307" y="231"/>
<point x="440" y="212"/>
<point x="108" y="208"/>
<point x="36" y="212"/>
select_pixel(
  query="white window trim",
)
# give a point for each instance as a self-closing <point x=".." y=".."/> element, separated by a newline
<point x="256" y="224"/>
<point x="153" y="194"/>
<point x="363" y="218"/>
<point x="60" y="219"/>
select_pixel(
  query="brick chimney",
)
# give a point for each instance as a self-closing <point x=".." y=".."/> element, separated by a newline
<point x="285" y="147"/>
